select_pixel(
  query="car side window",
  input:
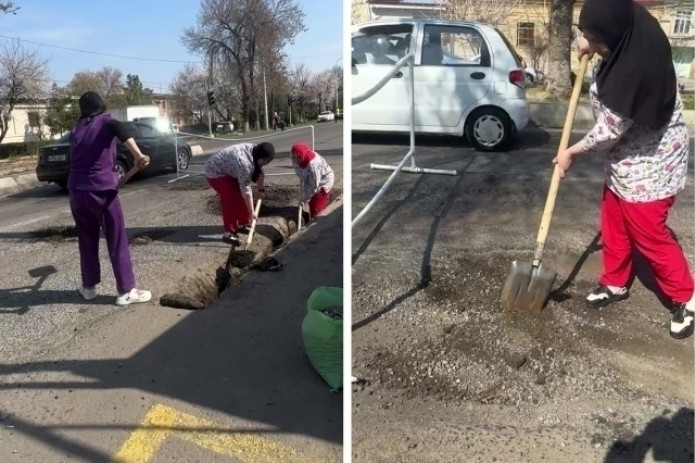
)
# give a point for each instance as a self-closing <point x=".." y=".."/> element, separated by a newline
<point x="454" y="46"/>
<point x="382" y="44"/>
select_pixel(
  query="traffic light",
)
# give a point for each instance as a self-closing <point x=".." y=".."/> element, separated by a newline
<point x="211" y="98"/>
<point x="290" y="100"/>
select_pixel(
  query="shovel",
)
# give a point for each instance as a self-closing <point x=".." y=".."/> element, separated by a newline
<point x="528" y="285"/>
<point x="300" y="209"/>
<point x="133" y="170"/>
<point x="253" y="224"/>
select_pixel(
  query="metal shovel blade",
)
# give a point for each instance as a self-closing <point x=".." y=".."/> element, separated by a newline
<point x="528" y="287"/>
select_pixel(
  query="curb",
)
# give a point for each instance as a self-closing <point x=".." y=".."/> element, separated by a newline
<point x="553" y="114"/>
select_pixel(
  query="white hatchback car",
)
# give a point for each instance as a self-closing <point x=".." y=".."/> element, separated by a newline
<point x="468" y="80"/>
<point x="326" y="116"/>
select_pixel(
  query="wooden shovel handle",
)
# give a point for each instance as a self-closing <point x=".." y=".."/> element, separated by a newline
<point x="564" y="143"/>
<point x="300" y="208"/>
<point x="253" y="223"/>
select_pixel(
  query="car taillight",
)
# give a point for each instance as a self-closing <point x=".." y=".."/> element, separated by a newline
<point x="518" y="78"/>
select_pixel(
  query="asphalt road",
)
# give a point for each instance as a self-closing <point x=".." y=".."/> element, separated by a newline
<point x="438" y="352"/>
<point x="88" y="381"/>
<point x="34" y="204"/>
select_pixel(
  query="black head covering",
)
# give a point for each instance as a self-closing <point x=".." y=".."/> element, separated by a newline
<point x="91" y="104"/>
<point x="638" y="80"/>
<point x="261" y="151"/>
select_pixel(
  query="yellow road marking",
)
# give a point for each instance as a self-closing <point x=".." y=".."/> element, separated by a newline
<point x="162" y="422"/>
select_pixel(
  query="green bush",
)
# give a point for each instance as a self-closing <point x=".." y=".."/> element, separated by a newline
<point x="16" y="150"/>
<point x="688" y="101"/>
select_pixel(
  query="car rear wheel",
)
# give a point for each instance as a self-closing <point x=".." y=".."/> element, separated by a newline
<point x="489" y="129"/>
<point x="121" y="170"/>
<point x="183" y="158"/>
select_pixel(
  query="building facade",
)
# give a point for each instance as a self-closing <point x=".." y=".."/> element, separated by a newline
<point x="525" y="22"/>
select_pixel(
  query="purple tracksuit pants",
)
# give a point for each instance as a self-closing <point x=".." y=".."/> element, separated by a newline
<point x="91" y="209"/>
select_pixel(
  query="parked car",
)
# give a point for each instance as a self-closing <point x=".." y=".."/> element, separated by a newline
<point x="339" y="115"/>
<point x="469" y="80"/>
<point x="326" y="116"/>
<point x="54" y="160"/>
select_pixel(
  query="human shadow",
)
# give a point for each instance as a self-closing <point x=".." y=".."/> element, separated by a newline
<point x="669" y="440"/>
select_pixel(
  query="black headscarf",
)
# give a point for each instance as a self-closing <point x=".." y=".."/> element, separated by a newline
<point x="261" y="151"/>
<point x="91" y="104"/>
<point x="638" y="80"/>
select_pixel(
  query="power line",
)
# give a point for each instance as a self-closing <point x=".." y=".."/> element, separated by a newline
<point x="138" y="58"/>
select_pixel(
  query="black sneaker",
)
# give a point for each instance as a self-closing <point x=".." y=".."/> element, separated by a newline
<point x="231" y="238"/>
<point x="681" y="322"/>
<point x="602" y="296"/>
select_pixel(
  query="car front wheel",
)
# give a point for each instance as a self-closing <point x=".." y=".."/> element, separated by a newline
<point x="489" y="129"/>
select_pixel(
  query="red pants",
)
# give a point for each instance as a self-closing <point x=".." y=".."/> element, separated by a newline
<point x="235" y="214"/>
<point x="318" y="202"/>
<point x="642" y="225"/>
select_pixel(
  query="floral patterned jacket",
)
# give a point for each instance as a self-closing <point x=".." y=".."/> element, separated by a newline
<point x="234" y="161"/>
<point x="317" y="174"/>
<point x="642" y="164"/>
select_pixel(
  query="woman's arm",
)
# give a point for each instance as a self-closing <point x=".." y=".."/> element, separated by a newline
<point x="608" y="130"/>
<point x="120" y="131"/>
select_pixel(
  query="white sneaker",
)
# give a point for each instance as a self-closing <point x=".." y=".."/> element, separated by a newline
<point x="88" y="293"/>
<point x="134" y="296"/>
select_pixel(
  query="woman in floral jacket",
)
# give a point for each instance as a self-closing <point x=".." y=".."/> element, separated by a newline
<point x="642" y="136"/>
<point x="316" y="177"/>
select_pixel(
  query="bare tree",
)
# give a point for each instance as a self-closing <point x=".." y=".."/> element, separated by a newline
<point x="84" y="81"/>
<point x="23" y="76"/>
<point x="242" y="31"/>
<point x="188" y="88"/>
<point x="494" y="12"/>
<point x="8" y="8"/>
<point x="300" y="78"/>
<point x="110" y="82"/>
<point x="559" y="83"/>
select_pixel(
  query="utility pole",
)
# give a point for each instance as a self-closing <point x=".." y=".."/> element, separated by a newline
<point x="265" y="98"/>
<point x="212" y="84"/>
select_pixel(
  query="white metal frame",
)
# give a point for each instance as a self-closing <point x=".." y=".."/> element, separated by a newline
<point x="235" y="140"/>
<point x="408" y="60"/>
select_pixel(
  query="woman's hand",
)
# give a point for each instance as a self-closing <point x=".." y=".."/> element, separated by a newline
<point x="143" y="161"/>
<point x="563" y="161"/>
<point x="584" y="47"/>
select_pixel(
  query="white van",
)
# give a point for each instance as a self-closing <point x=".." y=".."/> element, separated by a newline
<point x="469" y="81"/>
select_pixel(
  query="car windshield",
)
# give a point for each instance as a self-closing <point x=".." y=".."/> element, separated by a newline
<point x="64" y="139"/>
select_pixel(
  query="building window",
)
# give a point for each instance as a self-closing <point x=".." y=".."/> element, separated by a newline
<point x="525" y="34"/>
<point x="683" y="23"/>
<point x="33" y="117"/>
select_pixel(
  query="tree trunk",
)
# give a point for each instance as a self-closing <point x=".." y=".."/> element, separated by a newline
<point x="559" y="83"/>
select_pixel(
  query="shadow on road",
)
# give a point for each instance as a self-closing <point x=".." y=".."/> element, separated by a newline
<point x="668" y="440"/>
<point x="243" y="357"/>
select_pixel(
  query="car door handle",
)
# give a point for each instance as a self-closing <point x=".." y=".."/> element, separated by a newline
<point x="478" y="75"/>
<point x="398" y="75"/>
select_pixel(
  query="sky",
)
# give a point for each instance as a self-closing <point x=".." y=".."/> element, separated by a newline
<point x="148" y="29"/>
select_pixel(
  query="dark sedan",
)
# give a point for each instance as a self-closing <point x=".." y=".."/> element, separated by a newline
<point x="54" y="160"/>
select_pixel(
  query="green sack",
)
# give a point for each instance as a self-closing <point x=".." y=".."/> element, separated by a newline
<point x="323" y="334"/>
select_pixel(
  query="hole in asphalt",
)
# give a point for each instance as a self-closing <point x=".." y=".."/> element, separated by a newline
<point x="54" y="233"/>
<point x="147" y="237"/>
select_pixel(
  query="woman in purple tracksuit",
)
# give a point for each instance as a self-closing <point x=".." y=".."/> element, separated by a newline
<point x="93" y="185"/>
